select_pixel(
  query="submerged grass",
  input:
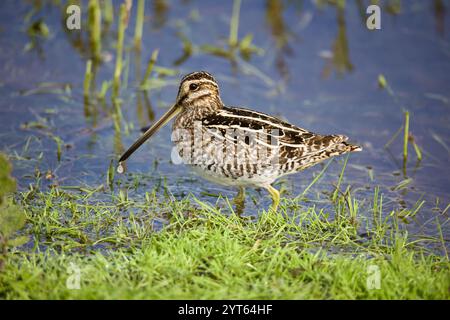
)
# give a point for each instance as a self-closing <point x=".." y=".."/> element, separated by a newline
<point x="87" y="81"/>
<point x="244" y="46"/>
<point x="95" y="22"/>
<point x="406" y="137"/>
<point x="119" y="53"/>
<point x="204" y="252"/>
<point x="150" y="65"/>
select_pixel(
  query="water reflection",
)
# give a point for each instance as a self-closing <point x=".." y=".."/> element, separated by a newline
<point x="439" y="16"/>
<point x="393" y="7"/>
<point x="118" y="129"/>
<point x="138" y="77"/>
<point x="340" y="61"/>
<point x="280" y="31"/>
<point x="187" y="49"/>
<point x="239" y="202"/>
<point x="160" y="12"/>
<point x="38" y="32"/>
<point x="144" y="109"/>
<point x="74" y="37"/>
<point x="361" y="6"/>
<point x="148" y="107"/>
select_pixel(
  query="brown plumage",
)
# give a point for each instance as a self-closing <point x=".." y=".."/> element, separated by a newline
<point x="237" y="146"/>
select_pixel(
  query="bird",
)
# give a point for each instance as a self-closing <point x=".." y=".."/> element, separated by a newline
<point x="236" y="146"/>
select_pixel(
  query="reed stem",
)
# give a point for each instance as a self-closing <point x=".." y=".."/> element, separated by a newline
<point x="234" y="24"/>
<point x="406" y="137"/>
<point x="108" y="12"/>
<point x="95" y="22"/>
<point x="87" y="79"/>
<point x="139" y="24"/>
<point x="150" y="66"/>
<point x="119" y="53"/>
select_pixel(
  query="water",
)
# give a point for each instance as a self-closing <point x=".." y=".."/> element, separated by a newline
<point x="319" y="70"/>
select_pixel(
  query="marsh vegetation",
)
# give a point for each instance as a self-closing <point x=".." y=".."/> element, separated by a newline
<point x="71" y="101"/>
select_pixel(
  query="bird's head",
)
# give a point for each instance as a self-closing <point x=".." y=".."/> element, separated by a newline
<point x="198" y="94"/>
<point x="198" y="90"/>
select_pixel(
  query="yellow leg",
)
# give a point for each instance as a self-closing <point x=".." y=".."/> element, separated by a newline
<point x="239" y="201"/>
<point x="275" y="194"/>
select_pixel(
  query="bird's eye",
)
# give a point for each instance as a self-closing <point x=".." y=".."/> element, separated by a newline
<point x="193" y="86"/>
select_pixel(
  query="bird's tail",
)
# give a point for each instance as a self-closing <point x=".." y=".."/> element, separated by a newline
<point x="331" y="146"/>
<point x="340" y="145"/>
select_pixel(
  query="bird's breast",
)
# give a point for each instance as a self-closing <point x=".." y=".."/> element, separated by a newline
<point x="224" y="153"/>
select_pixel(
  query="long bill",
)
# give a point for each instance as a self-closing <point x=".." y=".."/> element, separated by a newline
<point x="173" y="111"/>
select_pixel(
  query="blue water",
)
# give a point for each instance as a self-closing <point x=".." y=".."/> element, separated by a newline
<point x="319" y="70"/>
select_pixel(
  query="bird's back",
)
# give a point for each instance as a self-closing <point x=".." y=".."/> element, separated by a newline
<point x="238" y="143"/>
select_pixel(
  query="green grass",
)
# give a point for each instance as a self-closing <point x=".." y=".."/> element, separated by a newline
<point x="203" y="252"/>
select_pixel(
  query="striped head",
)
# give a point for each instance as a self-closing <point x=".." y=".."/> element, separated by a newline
<point x="199" y="91"/>
<point x="198" y="96"/>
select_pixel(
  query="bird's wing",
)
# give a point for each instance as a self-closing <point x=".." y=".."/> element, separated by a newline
<point x="293" y="144"/>
<point x="286" y="134"/>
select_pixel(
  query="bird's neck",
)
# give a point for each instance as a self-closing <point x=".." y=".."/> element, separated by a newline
<point x="198" y="110"/>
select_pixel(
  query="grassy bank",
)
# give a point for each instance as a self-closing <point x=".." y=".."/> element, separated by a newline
<point x="204" y="252"/>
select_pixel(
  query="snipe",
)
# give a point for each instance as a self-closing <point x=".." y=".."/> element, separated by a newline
<point x="237" y="146"/>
